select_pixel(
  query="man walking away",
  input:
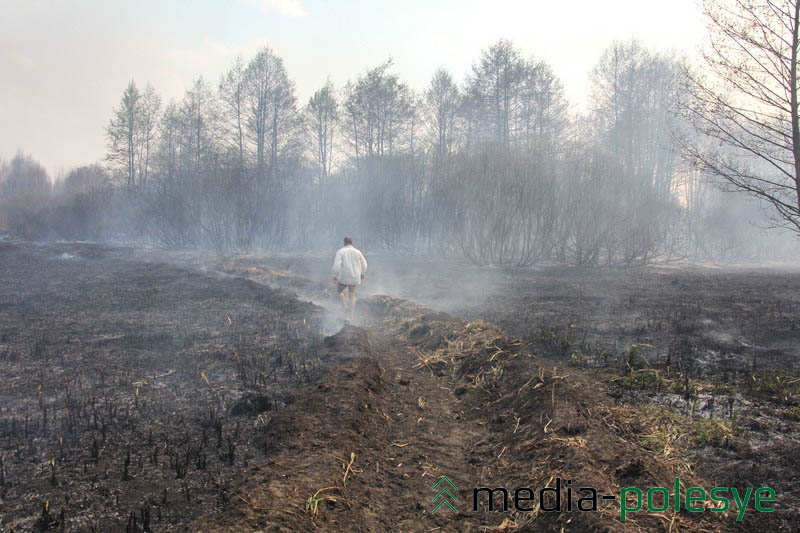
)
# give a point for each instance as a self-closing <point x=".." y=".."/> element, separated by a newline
<point x="349" y="268"/>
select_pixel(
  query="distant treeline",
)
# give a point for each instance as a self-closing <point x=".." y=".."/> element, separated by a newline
<point x="495" y="168"/>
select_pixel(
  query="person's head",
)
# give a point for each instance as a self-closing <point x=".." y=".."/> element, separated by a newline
<point x="348" y="241"/>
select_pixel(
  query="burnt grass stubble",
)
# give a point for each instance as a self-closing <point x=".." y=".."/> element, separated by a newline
<point x="134" y="393"/>
<point x="137" y="393"/>
<point x="720" y="347"/>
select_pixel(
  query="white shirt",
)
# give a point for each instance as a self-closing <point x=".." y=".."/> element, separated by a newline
<point x="349" y="265"/>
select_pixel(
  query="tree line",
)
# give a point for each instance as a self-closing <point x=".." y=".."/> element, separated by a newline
<point x="495" y="168"/>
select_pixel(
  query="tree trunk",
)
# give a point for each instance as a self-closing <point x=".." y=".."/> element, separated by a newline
<point x="793" y="91"/>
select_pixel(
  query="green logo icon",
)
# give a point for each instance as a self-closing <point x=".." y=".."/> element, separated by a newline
<point x="443" y="494"/>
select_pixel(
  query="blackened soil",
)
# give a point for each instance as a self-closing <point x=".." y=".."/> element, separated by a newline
<point x="118" y="378"/>
<point x="189" y="395"/>
<point x="424" y="395"/>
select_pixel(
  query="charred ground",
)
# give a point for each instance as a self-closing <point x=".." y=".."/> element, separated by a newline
<point x="119" y="382"/>
<point x="175" y="390"/>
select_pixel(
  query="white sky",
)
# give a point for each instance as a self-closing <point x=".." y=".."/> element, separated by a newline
<point x="64" y="65"/>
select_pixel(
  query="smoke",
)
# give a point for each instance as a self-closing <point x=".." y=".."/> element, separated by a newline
<point x="443" y="285"/>
<point x="440" y="173"/>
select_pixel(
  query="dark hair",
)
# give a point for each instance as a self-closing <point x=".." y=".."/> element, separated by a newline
<point x="348" y="240"/>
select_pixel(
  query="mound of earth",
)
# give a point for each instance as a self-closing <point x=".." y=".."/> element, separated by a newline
<point x="422" y="395"/>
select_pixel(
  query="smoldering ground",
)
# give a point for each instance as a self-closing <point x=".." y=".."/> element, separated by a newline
<point x="124" y="366"/>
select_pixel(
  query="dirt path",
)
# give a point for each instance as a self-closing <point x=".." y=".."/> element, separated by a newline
<point x="404" y="430"/>
<point x="429" y="437"/>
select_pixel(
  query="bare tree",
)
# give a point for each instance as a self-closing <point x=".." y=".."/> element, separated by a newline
<point x="271" y="116"/>
<point x="147" y="129"/>
<point x="131" y="135"/>
<point x="378" y="113"/>
<point x="322" y="114"/>
<point x="88" y="179"/>
<point x="493" y="89"/>
<point x="542" y="114"/>
<point x="123" y="134"/>
<point x="23" y="176"/>
<point x="748" y="106"/>
<point x="636" y="94"/>
<point x="443" y="101"/>
<point x="261" y="82"/>
<point x="24" y="192"/>
<point x="232" y="87"/>
<point x="167" y="150"/>
<point x="505" y="206"/>
<point x="199" y="128"/>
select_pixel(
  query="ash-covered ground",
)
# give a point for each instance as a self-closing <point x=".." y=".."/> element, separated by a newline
<point x="122" y="380"/>
<point x="145" y="389"/>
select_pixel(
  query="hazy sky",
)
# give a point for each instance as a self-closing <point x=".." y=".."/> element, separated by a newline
<point x="64" y="64"/>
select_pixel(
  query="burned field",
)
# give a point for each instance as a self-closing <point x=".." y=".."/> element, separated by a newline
<point x="148" y="391"/>
<point x="716" y="352"/>
<point x="122" y="382"/>
<point x="702" y="363"/>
